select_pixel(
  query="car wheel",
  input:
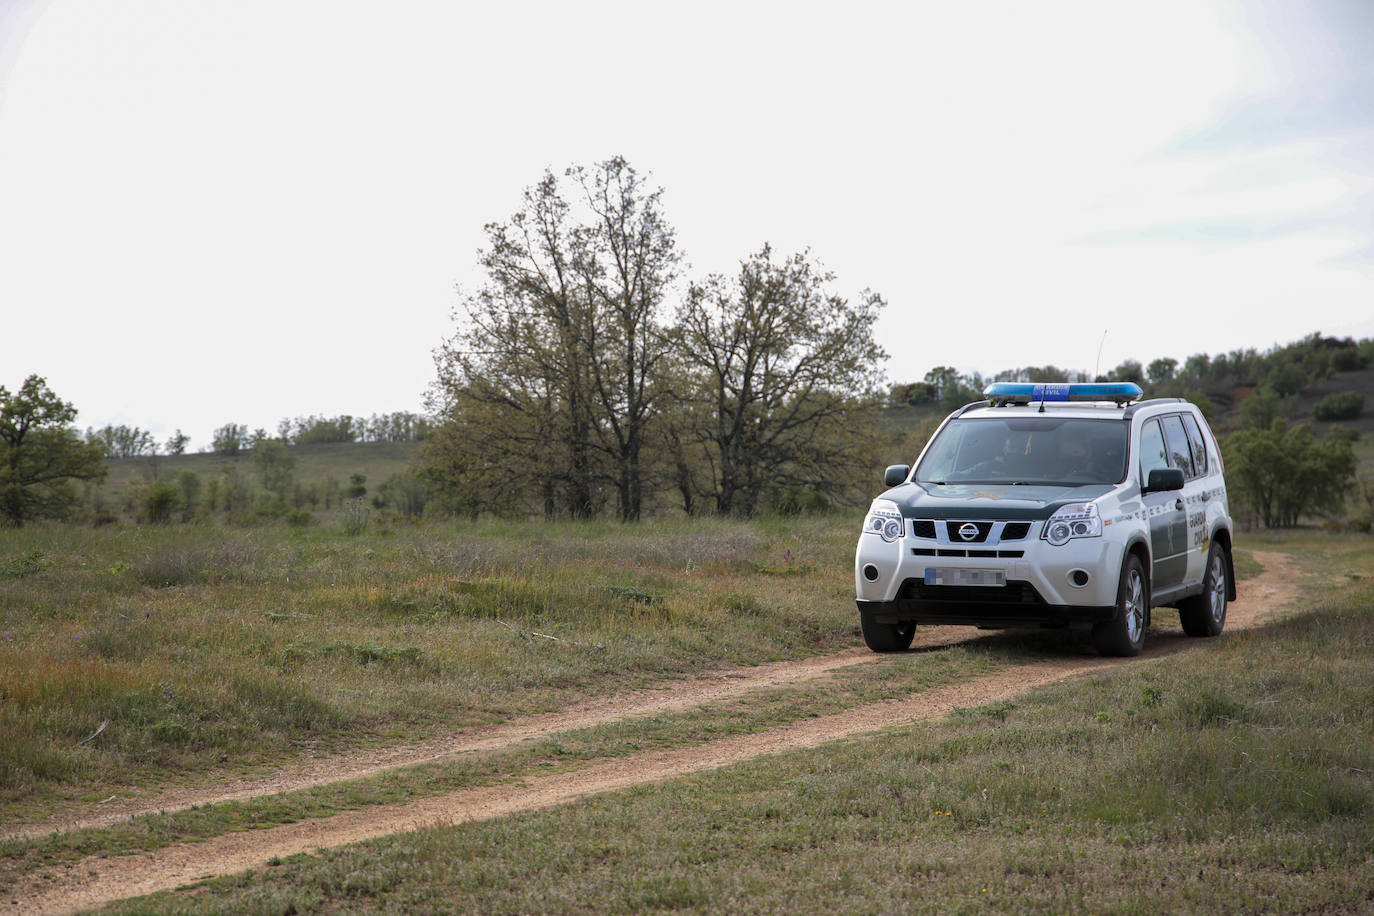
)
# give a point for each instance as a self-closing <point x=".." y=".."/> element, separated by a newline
<point x="1124" y="634"/>
<point x="887" y="637"/>
<point x="1205" y="614"/>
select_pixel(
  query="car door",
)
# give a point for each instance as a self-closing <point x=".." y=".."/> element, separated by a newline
<point x="1189" y="499"/>
<point x="1164" y="512"/>
<point x="1197" y="493"/>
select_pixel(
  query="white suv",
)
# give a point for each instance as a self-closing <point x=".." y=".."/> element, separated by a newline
<point x="1052" y="505"/>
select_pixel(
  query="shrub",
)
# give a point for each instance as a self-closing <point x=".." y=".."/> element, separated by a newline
<point x="160" y="502"/>
<point x="356" y="516"/>
<point x="300" y="518"/>
<point x="405" y="493"/>
<point x="24" y="565"/>
<point x="1343" y="405"/>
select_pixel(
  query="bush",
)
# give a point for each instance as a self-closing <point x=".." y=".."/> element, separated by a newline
<point x="404" y="493"/>
<point x="300" y="518"/>
<point x="1346" y="359"/>
<point x="1343" y="405"/>
<point x="356" y="517"/>
<point x="160" y="502"/>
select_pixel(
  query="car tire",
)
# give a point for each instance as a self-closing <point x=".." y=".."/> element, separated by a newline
<point x="887" y="637"/>
<point x="1124" y="634"/>
<point x="1205" y="614"/>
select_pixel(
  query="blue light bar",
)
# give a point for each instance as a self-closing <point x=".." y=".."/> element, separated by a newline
<point x="1032" y="392"/>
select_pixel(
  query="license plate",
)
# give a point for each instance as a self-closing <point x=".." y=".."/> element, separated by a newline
<point x="948" y="575"/>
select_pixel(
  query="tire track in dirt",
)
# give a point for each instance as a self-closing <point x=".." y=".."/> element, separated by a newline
<point x="671" y="696"/>
<point x="98" y="881"/>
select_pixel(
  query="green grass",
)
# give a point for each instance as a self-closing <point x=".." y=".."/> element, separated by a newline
<point x="210" y="649"/>
<point x="1239" y="777"/>
<point x="894" y="677"/>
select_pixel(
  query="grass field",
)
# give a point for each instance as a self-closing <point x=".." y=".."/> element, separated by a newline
<point x="1235" y="777"/>
<point x="208" y="648"/>
<point x="1240" y="778"/>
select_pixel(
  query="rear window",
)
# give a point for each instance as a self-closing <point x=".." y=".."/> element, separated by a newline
<point x="1197" y="443"/>
<point x="1180" y="453"/>
<point x="1027" y="450"/>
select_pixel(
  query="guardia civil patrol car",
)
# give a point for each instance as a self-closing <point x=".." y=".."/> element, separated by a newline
<point x="1052" y="505"/>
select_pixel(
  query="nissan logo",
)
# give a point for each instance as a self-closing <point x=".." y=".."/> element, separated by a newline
<point x="968" y="531"/>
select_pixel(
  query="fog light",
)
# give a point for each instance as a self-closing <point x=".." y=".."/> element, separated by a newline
<point x="1078" y="577"/>
<point x="871" y="573"/>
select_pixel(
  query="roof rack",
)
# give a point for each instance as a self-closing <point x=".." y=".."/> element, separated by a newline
<point x="1139" y="404"/>
<point x="1002" y="394"/>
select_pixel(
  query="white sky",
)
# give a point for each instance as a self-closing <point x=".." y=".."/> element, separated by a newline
<point x="244" y="210"/>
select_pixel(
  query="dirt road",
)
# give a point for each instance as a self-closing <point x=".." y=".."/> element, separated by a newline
<point x="98" y="881"/>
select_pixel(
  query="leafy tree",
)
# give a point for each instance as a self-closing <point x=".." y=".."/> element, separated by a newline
<point x="910" y="394"/>
<point x="781" y="371"/>
<point x="1262" y="408"/>
<point x="1285" y="473"/>
<point x="189" y="483"/>
<point x="40" y="454"/>
<point x="1129" y="371"/>
<point x="1288" y="379"/>
<point x="176" y="445"/>
<point x="394" y="427"/>
<point x="953" y="389"/>
<point x="1196" y="368"/>
<point x="229" y="439"/>
<point x="276" y="467"/>
<point x="1343" y="405"/>
<point x="161" y="500"/>
<point x="1161" y="370"/>
<point x="314" y="430"/>
<point x="123" y="441"/>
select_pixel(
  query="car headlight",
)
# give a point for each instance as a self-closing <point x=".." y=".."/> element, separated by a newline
<point x="884" y="519"/>
<point x="1076" y="520"/>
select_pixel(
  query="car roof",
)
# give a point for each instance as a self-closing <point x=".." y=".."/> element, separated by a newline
<point x="1094" y="410"/>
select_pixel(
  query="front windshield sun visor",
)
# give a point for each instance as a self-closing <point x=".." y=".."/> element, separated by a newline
<point x="1030" y="451"/>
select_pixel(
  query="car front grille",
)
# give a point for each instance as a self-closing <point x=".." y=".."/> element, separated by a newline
<point x="1011" y="593"/>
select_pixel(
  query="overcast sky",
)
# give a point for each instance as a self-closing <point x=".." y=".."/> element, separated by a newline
<point x="244" y="210"/>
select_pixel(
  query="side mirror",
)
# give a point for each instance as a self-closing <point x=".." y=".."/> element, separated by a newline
<point x="1161" y="479"/>
<point x="895" y="475"/>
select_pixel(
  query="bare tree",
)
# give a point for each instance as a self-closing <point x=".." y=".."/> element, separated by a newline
<point x="628" y="257"/>
<point x="781" y="371"/>
<point x="556" y="356"/>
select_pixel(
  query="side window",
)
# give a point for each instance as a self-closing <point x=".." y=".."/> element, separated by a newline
<point x="1152" y="454"/>
<point x="1199" y="444"/>
<point x="1180" y="455"/>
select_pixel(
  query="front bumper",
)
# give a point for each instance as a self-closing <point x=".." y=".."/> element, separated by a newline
<point x="1045" y="584"/>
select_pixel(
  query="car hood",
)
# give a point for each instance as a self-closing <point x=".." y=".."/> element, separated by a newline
<point x="988" y="501"/>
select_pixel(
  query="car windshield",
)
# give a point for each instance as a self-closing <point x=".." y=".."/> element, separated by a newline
<point x="1027" y="450"/>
